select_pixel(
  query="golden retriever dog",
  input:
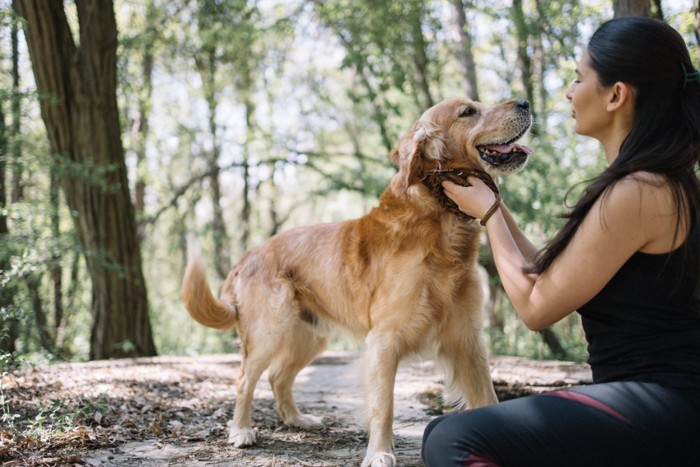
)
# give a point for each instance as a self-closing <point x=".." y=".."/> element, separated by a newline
<point x="403" y="278"/>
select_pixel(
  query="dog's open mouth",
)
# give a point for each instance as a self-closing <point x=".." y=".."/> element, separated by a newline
<point x="498" y="154"/>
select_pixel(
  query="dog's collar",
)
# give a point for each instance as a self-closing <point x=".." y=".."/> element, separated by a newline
<point x="433" y="181"/>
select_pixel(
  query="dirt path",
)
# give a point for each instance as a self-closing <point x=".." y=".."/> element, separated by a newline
<point x="173" y="411"/>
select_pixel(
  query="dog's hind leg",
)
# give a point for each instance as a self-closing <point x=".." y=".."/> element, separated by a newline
<point x="300" y="347"/>
<point x="254" y="363"/>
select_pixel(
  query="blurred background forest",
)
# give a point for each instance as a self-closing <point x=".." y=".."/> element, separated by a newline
<point x="232" y="120"/>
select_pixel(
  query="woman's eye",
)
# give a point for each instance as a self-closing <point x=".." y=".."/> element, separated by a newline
<point x="468" y="112"/>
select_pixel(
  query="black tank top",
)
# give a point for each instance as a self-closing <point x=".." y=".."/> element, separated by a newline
<point x="645" y="323"/>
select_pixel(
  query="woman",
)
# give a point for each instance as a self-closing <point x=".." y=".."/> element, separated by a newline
<point x="627" y="259"/>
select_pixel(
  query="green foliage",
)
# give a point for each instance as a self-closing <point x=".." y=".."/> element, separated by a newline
<point x="309" y="99"/>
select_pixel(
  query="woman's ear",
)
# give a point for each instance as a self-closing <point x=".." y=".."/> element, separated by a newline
<point x="620" y="96"/>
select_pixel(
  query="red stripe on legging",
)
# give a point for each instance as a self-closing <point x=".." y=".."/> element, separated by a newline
<point x="589" y="401"/>
<point x="477" y="460"/>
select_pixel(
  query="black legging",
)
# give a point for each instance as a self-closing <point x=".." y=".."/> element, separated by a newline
<point x="612" y="424"/>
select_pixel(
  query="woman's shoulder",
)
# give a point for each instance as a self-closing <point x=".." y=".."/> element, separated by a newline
<point x="645" y="201"/>
<point x="646" y="179"/>
<point x="646" y="189"/>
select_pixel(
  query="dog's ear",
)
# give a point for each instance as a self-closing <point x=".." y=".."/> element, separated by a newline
<point x="412" y="153"/>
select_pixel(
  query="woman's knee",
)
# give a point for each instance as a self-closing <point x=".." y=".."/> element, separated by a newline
<point x="456" y="439"/>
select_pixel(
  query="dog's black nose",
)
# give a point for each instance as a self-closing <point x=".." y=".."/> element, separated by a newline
<point x="523" y="104"/>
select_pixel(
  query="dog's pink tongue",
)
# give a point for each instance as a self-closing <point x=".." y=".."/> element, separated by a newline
<point x="506" y="148"/>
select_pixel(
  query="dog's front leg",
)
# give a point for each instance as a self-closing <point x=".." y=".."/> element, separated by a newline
<point x="380" y="375"/>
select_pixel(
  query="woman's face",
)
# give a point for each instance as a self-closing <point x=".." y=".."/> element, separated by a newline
<point x="588" y="101"/>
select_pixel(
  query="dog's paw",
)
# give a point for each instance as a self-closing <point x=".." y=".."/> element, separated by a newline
<point x="305" y="421"/>
<point x="240" y="437"/>
<point x="379" y="459"/>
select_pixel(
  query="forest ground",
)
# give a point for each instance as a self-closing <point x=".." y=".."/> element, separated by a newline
<point x="168" y="411"/>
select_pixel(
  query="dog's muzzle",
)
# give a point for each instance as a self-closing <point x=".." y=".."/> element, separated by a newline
<point x="504" y="154"/>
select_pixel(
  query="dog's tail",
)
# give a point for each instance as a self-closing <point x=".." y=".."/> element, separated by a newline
<point x="197" y="295"/>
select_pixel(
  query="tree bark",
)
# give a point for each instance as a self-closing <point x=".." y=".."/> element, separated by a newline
<point x="82" y="120"/>
<point x="696" y="23"/>
<point x="56" y="268"/>
<point x="466" y="55"/>
<point x="631" y="8"/>
<point x="207" y="67"/>
<point x="17" y="164"/>
<point x="46" y="335"/>
<point x="524" y="60"/>
<point x="246" y="88"/>
<point x="9" y="146"/>
<point x="247" y="208"/>
<point x="9" y="326"/>
<point x="421" y="61"/>
<point x="140" y="129"/>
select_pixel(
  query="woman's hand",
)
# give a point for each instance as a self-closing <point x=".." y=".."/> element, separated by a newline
<point x="474" y="200"/>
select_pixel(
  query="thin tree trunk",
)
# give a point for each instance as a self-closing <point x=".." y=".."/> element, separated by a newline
<point x="46" y="336"/>
<point x="207" y="68"/>
<point x="140" y="129"/>
<point x="56" y="269"/>
<point x="658" y="11"/>
<point x="541" y="92"/>
<point x="9" y="144"/>
<point x="249" y="104"/>
<point x="696" y="23"/>
<point x="551" y="340"/>
<point x="631" y="8"/>
<point x="9" y="326"/>
<point x="524" y="59"/>
<point x="71" y="298"/>
<point x="466" y="54"/>
<point x="82" y="120"/>
<point x="17" y="163"/>
<point x="420" y="59"/>
<point x="275" y="223"/>
<point x="246" y="209"/>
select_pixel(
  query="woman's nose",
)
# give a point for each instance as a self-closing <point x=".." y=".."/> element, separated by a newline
<point x="569" y="93"/>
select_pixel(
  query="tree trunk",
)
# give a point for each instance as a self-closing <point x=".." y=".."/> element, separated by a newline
<point x="420" y="59"/>
<point x="696" y="24"/>
<point x="82" y="121"/>
<point x="56" y="268"/>
<point x="8" y="325"/>
<point x="247" y="91"/>
<point x="9" y="145"/>
<point x="466" y="55"/>
<point x="524" y="60"/>
<point x="46" y="336"/>
<point x="246" y="209"/>
<point x="207" y="68"/>
<point x="140" y="129"/>
<point x="17" y="163"/>
<point x="631" y="8"/>
<point x="551" y="340"/>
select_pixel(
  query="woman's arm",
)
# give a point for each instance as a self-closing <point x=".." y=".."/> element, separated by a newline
<point x="526" y="247"/>
<point x="633" y="215"/>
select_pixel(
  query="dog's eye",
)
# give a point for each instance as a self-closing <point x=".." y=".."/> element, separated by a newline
<point x="468" y="112"/>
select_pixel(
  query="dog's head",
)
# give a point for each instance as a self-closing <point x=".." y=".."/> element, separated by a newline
<point x="461" y="133"/>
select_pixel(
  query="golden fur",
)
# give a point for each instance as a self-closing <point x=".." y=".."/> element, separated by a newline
<point x="403" y="278"/>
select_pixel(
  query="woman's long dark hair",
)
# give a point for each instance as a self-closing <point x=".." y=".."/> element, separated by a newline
<point x="651" y="57"/>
